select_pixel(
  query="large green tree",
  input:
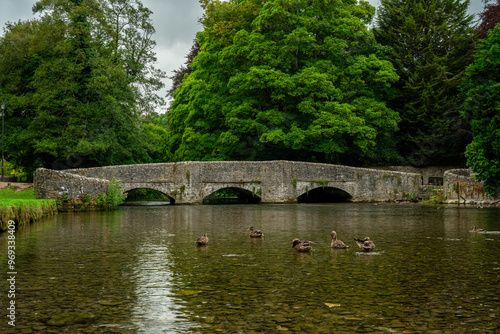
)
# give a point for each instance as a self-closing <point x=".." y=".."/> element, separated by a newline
<point x="431" y="43"/>
<point x="74" y="89"/>
<point x="481" y="89"/>
<point x="285" y="79"/>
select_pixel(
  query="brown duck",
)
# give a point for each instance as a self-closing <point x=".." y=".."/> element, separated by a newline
<point x="203" y="240"/>
<point x="255" y="233"/>
<point x="476" y="230"/>
<point x="365" y="244"/>
<point x="301" y="246"/>
<point x="337" y="243"/>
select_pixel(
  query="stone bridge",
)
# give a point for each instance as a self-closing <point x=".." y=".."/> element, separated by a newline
<point x="262" y="182"/>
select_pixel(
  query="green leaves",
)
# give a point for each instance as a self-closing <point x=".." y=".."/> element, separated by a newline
<point x="481" y="90"/>
<point x="301" y="79"/>
<point x="76" y="82"/>
<point x="430" y="45"/>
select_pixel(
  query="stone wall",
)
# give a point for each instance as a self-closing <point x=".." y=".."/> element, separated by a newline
<point x="53" y="184"/>
<point x="272" y="181"/>
<point x="460" y="186"/>
<point x="425" y="172"/>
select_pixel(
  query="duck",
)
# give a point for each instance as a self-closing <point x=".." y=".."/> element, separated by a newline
<point x="337" y="243"/>
<point x="203" y="240"/>
<point x="301" y="246"/>
<point x="255" y="233"/>
<point x="475" y="230"/>
<point x="365" y="244"/>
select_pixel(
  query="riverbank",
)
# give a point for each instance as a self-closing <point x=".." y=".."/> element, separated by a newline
<point x="18" y="203"/>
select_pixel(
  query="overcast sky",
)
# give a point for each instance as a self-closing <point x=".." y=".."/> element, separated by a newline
<point x="175" y="21"/>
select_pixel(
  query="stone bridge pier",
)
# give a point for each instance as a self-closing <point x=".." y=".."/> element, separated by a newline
<point x="267" y="181"/>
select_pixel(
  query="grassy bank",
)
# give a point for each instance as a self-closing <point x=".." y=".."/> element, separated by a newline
<point x="23" y="207"/>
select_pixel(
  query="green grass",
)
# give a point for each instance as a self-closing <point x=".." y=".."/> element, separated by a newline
<point x="23" y="207"/>
<point x="9" y="193"/>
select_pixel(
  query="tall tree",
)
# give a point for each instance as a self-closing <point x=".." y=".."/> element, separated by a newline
<point x="284" y="80"/>
<point x="481" y="89"/>
<point x="130" y="35"/>
<point x="73" y="99"/>
<point x="490" y="17"/>
<point x="184" y="69"/>
<point x="431" y="43"/>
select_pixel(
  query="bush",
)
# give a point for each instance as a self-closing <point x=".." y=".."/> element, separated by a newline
<point x="113" y="197"/>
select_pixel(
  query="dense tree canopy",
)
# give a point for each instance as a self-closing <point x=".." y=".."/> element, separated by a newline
<point x="482" y="95"/>
<point x="285" y="79"/>
<point x="431" y="42"/>
<point x="76" y="81"/>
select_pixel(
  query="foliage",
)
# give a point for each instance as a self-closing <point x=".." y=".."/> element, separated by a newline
<point x="284" y="80"/>
<point x="184" y="70"/>
<point x="62" y="201"/>
<point x="75" y="82"/>
<point x="431" y="42"/>
<point x="156" y="139"/>
<point x="145" y="194"/>
<point x="224" y="193"/>
<point x="438" y="198"/>
<point x="113" y="197"/>
<point x="481" y="90"/>
<point x="490" y="17"/>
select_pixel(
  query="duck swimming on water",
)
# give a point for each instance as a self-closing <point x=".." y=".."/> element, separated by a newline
<point x="255" y="233"/>
<point x="365" y="244"/>
<point x="337" y="243"/>
<point x="301" y="246"/>
<point x="203" y="240"/>
<point x="476" y="230"/>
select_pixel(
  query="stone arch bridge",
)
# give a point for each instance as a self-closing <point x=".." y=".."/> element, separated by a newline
<point x="266" y="181"/>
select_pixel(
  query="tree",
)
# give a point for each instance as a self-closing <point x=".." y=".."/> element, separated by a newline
<point x="130" y="33"/>
<point x="180" y="73"/>
<point x="299" y="80"/>
<point x="481" y="90"/>
<point x="490" y="17"/>
<point x="431" y="43"/>
<point x="73" y="95"/>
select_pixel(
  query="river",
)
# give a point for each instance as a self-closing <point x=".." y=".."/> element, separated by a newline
<point x="138" y="270"/>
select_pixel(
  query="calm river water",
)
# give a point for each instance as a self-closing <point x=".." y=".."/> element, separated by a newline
<point x="138" y="270"/>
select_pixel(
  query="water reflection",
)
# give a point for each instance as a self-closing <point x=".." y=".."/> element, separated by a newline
<point x="138" y="269"/>
<point x="156" y="305"/>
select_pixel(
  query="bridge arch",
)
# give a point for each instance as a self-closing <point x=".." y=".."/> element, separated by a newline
<point x="129" y="189"/>
<point x="325" y="195"/>
<point x="232" y="195"/>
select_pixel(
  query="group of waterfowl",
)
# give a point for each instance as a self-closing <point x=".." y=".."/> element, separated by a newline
<point x="365" y="244"/>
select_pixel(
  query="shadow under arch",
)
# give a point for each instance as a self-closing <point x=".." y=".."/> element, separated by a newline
<point x="325" y="195"/>
<point x="147" y="194"/>
<point x="232" y="195"/>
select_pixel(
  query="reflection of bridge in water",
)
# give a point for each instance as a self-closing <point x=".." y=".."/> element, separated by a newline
<point x="260" y="182"/>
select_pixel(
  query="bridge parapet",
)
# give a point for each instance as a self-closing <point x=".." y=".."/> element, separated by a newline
<point x="272" y="181"/>
<point x="54" y="184"/>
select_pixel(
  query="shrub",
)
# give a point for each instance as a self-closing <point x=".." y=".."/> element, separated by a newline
<point x="113" y="197"/>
